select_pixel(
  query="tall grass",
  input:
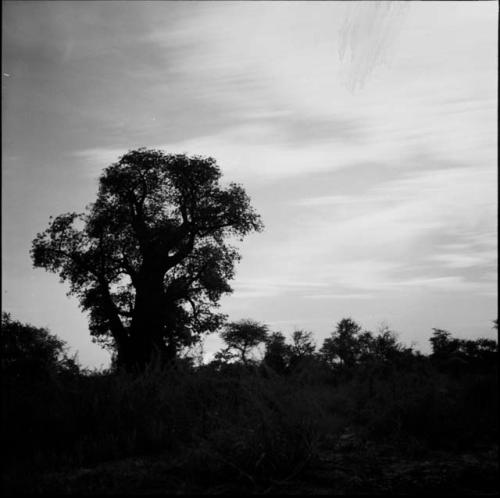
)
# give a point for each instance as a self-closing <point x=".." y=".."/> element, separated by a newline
<point x="240" y="424"/>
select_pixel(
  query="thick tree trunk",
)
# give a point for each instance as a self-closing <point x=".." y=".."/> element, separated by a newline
<point x="123" y="354"/>
<point x="118" y="331"/>
<point x="147" y="331"/>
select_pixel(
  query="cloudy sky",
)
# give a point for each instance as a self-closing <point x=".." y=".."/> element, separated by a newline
<point x="364" y="132"/>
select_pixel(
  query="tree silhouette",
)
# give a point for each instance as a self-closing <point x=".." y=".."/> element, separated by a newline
<point x="278" y="352"/>
<point x="241" y="337"/>
<point x="302" y="343"/>
<point x="345" y="345"/>
<point x="302" y="348"/>
<point x="456" y="354"/>
<point x="149" y="260"/>
<point x="383" y="347"/>
<point x="443" y="344"/>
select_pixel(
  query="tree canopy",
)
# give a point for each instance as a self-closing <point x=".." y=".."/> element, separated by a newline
<point x="344" y="344"/>
<point x="278" y="353"/>
<point x="150" y="258"/>
<point x="241" y="337"/>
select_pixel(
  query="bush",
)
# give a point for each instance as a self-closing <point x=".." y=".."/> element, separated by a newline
<point x="31" y="353"/>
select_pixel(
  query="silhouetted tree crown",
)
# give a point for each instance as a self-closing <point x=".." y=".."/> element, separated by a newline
<point x="302" y="349"/>
<point x="349" y="345"/>
<point x="344" y="345"/>
<point x="240" y="338"/>
<point x="278" y="353"/>
<point x="443" y="344"/>
<point x="452" y="351"/>
<point x="149" y="259"/>
<point x="384" y="347"/>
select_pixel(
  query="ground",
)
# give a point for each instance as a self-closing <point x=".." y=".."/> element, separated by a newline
<point x="344" y="466"/>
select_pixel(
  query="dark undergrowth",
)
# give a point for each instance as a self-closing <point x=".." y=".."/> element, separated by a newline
<point x="212" y="429"/>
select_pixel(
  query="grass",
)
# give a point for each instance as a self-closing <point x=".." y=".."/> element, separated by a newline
<point x="189" y="429"/>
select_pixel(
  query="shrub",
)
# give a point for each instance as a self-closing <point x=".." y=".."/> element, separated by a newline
<point x="30" y="352"/>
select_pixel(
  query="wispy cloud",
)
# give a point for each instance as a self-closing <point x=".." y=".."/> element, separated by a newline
<point x="339" y="296"/>
<point x="268" y="287"/>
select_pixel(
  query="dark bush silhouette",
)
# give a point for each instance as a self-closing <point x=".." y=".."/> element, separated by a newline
<point x="278" y="353"/>
<point x="149" y="259"/>
<point x="461" y="355"/>
<point x="30" y="352"/>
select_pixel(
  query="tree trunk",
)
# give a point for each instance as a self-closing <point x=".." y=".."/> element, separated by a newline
<point x="120" y="336"/>
<point x="147" y="332"/>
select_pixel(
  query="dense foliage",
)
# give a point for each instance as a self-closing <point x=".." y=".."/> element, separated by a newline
<point x="30" y="352"/>
<point x="150" y="258"/>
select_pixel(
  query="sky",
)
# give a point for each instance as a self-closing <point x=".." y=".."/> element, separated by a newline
<point x="365" y="134"/>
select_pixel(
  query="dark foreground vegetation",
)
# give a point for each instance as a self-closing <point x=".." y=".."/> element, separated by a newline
<point x="361" y="414"/>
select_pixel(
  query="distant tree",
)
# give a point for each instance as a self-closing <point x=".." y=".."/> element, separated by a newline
<point x="366" y="345"/>
<point x="480" y="350"/>
<point x="32" y="352"/>
<point x="443" y="344"/>
<point x="149" y="260"/>
<point x="385" y="346"/>
<point x="241" y="338"/>
<point x="278" y="353"/>
<point x="457" y="356"/>
<point x="302" y="349"/>
<point x="345" y="345"/>
<point x="303" y="343"/>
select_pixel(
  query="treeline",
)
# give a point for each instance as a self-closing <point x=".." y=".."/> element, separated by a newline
<point x="29" y="351"/>
<point x="245" y="421"/>
<point x="348" y="347"/>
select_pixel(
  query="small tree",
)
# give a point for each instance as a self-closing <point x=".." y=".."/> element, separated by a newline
<point x="302" y="348"/>
<point x="303" y="344"/>
<point x="278" y="352"/>
<point x="385" y="346"/>
<point x="241" y="338"/>
<point x="443" y="344"/>
<point x="343" y="346"/>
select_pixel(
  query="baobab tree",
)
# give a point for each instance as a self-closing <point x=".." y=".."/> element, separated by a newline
<point x="150" y="258"/>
